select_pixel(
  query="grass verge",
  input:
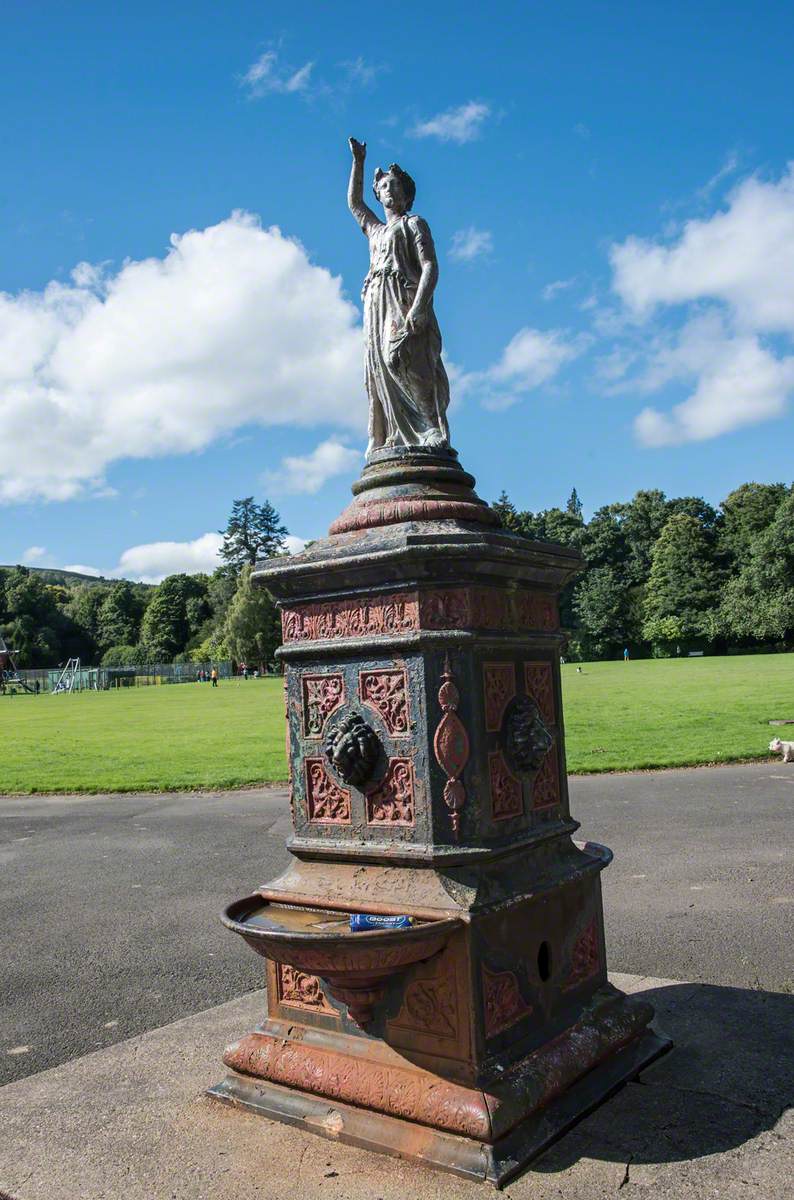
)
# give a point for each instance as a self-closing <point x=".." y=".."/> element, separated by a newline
<point x="619" y="717"/>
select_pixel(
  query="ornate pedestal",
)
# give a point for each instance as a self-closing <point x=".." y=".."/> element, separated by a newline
<point x="421" y="647"/>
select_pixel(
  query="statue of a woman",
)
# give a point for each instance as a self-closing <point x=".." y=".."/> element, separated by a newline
<point x="406" y="381"/>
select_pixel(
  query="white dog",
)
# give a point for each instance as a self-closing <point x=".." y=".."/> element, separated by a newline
<point x="784" y="748"/>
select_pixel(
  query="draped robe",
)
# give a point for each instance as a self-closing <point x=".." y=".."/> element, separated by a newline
<point x="406" y="381"/>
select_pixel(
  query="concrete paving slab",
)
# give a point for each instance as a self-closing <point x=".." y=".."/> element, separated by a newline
<point x="132" y="1121"/>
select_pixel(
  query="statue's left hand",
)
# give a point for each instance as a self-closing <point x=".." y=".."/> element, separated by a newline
<point x="416" y="320"/>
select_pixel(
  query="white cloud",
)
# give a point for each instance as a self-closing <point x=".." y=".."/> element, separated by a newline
<point x="551" y="290"/>
<point x="462" y="124"/>
<point x="152" y="561"/>
<point x="309" y="472"/>
<point x="470" y="243"/>
<point x="738" y="383"/>
<point x="82" y="569"/>
<point x="266" y="75"/>
<point x="531" y="358"/>
<point x="360" y="72"/>
<point x="729" y="166"/>
<point x="34" y="554"/>
<point x="731" y="275"/>
<point x="742" y="256"/>
<point x="234" y="326"/>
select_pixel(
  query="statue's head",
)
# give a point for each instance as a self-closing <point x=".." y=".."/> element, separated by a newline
<point x="395" y="189"/>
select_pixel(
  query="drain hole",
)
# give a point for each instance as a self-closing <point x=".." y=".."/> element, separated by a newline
<point x="544" y="961"/>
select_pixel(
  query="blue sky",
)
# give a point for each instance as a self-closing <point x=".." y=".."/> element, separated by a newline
<point x="609" y="191"/>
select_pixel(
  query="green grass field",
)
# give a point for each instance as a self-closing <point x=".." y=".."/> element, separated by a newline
<point x="619" y="717"/>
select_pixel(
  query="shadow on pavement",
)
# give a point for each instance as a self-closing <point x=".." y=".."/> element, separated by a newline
<point x="729" y="1077"/>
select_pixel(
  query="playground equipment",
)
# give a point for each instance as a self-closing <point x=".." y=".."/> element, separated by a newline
<point x="68" y="677"/>
<point x="9" y="673"/>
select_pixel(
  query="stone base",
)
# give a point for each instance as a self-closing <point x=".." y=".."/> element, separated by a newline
<point x="493" y="1162"/>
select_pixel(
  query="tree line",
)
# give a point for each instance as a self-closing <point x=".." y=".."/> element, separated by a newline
<point x="47" y="617"/>
<point x="662" y="576"/>
<point x="666" y="576"/>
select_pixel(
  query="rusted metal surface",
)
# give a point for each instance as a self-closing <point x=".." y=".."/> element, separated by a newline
<point x="486" y="1112"/>
<point x="355" y="967"/>
<point x="427" y="764"/>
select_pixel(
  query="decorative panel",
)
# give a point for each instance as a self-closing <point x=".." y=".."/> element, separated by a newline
<point x="300" y="990"/>
<point x="386" y="691"/>
<point x="546" y="787"/>
<point x="326" y="802"/>
<point x="507" y="797"/>
<point x="391" y="802"/>
<point x="397" y="613"/>
<point x="585" y="957"/>
<point x="430" y="1006"/>
<point x="502" y="1001"/>
<point x="539" y="685"/>
<point x="322" y="694"/>
<point x="499" y="688"/>
<point x="404" y="612"/>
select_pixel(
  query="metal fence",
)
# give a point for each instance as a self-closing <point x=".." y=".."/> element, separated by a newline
<point x="102" y="679"/>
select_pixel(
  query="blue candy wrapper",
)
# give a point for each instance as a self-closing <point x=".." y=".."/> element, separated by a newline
<point x="362" y="921"/>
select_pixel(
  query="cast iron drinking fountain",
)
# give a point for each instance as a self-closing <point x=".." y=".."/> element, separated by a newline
<point x="421" y="647"/>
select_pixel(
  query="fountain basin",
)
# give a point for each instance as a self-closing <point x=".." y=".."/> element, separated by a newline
<point x="356" y="967"/>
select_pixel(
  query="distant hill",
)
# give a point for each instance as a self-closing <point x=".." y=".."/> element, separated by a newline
<point x="54" y="575"/>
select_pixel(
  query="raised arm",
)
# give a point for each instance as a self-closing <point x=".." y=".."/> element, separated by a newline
<point x="355" y="191"/>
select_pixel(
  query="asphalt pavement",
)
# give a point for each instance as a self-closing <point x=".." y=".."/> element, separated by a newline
<point x="110" y="903"/>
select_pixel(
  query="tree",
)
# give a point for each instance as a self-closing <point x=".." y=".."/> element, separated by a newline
<point x="683" y="581"/>
<point x="119" y="617"/>
<point x="253" y="531"/>
<point x="563" y="526"/>
<point x="34" y="619"/>
<point x="603" y="542"/>
<point x="700" y="509"/>
<point x="508" y="514"/>
<point x="643" y="519"/>
<point x="758" y="604"/>
<point x="83" y="607"/>
<point x="746" y="512"/>
<point x="602" y="603"/>
<point x="176" y="611"/>
<point x="123" y="656"/>
<point x="253" y="629"/>
<point x="574" y="505"/>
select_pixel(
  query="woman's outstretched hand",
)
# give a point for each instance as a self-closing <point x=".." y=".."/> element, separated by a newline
<point x="357" y="149"/>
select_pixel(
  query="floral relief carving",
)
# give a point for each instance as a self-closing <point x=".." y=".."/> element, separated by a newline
<point x="397" y="613"/>
<point x="322" y="694"/>
<point x="401" y="1091"/>
<point x="391" y="802"/>
<point x="404" y="612"/>
<point x="546" y="786"/>
<point x="536" y="610"/>
<point x="539" y="685"/>
<point x="445" y="609"/>
<point x="301" y="990"/>
<point x="326" y="802"/>
<point x="386" y="691"/>
<point x="499" y="688"/>
<point x="502" y="1001"/>
<point x="431" y="1006"/>
<point x="487" y="608"/>
<point x="490" y="608"/>
<point x="507" y="797"/>
<point x="585" y="958"/>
